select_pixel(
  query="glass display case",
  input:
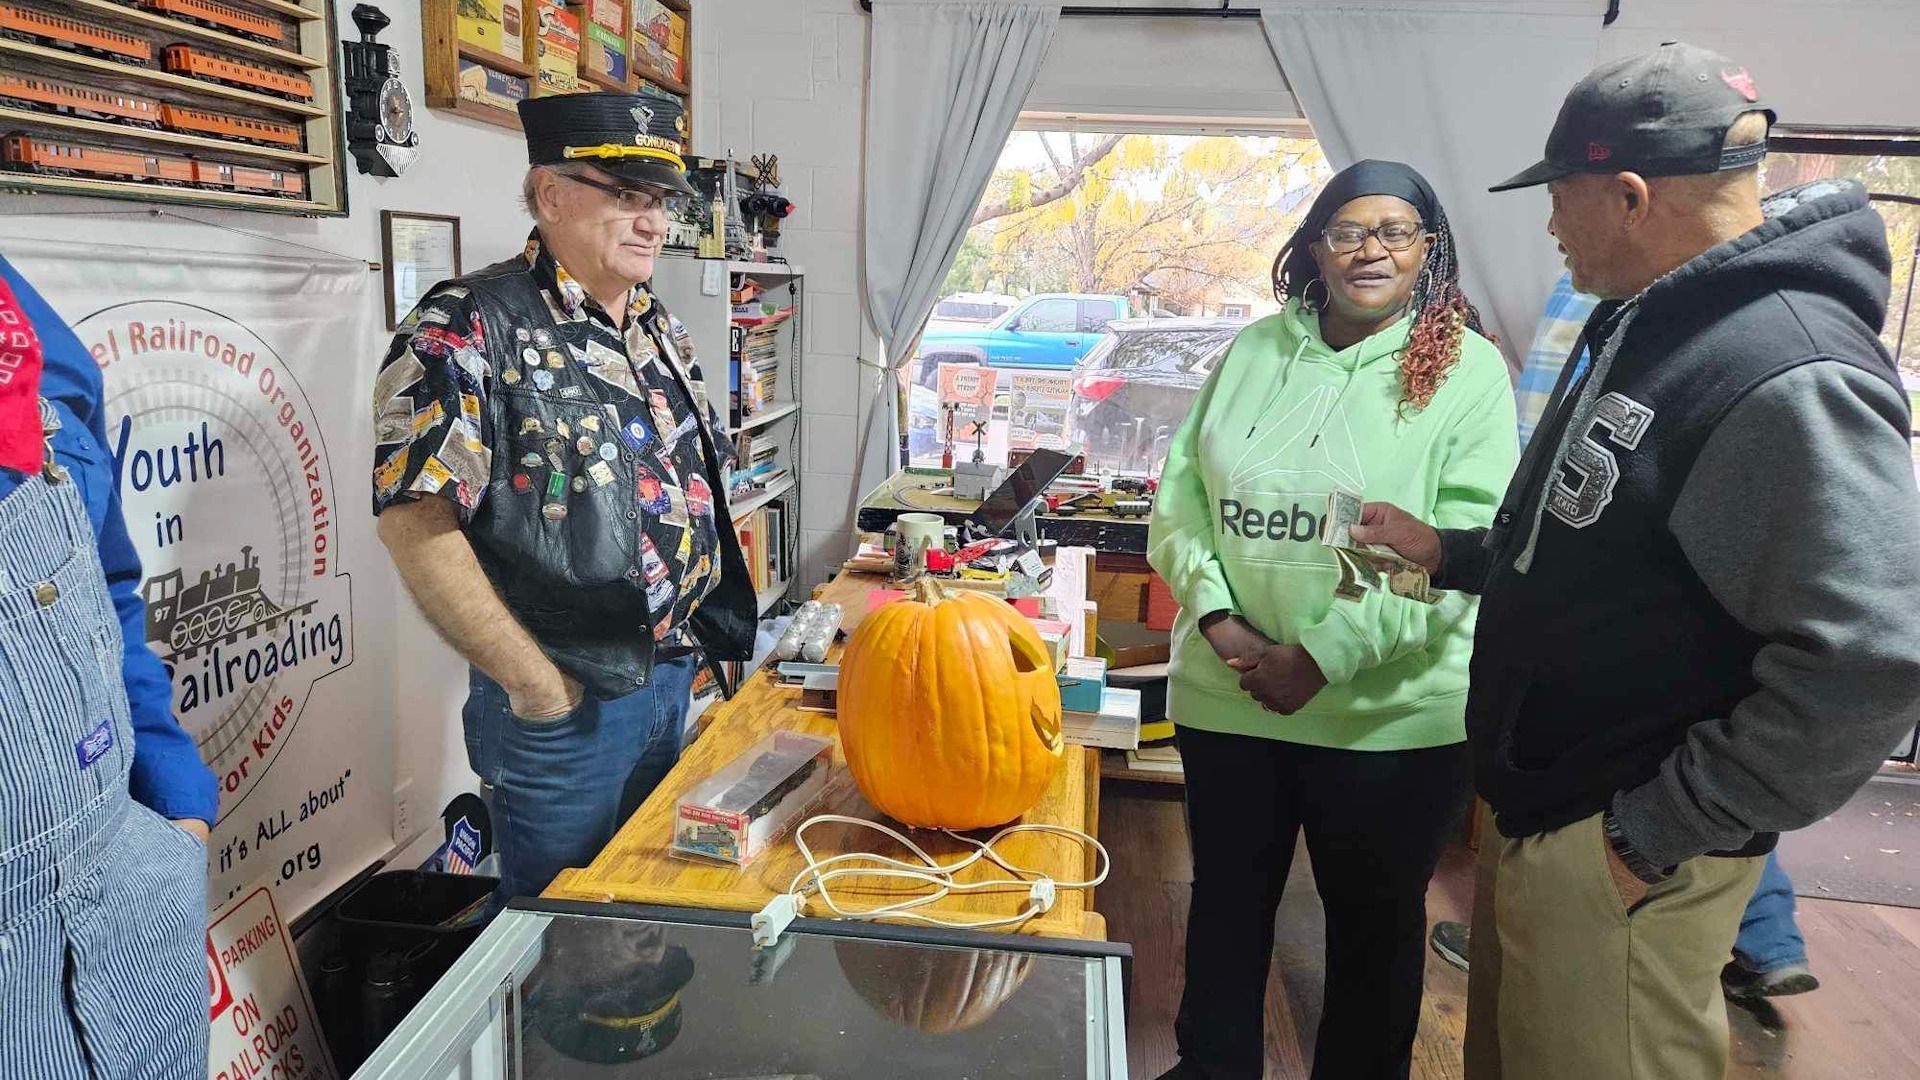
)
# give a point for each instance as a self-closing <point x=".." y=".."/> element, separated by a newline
<point x="566" y="989"/>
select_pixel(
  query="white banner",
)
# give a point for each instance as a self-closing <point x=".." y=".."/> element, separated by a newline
<point x="236" y="408"/>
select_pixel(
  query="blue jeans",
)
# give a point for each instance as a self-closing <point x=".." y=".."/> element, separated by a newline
<point x="562" y="788"/>
<point x="1769" y="939"/>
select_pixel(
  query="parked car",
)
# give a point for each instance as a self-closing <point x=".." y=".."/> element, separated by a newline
<point x="964" y="311"/>
<point x="1051" y="330"/>
<point x="1133" y="389"/>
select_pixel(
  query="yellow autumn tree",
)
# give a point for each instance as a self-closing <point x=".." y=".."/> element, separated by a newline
<point x="1176" y="216"/>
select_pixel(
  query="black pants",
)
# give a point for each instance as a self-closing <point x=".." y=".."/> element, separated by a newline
<point x="1375" y="823"/>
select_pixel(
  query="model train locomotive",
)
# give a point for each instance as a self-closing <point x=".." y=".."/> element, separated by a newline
<point x="50" y="157"/>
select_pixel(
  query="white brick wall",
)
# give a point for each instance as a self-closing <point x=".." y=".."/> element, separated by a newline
<point x="788" y="77"/>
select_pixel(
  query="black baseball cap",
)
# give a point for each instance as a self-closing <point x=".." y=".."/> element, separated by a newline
<point x="616" y="133"/>
<point x="1662" y="113"/>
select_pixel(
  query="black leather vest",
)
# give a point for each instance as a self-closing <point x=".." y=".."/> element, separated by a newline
<point x="576" y="582"/>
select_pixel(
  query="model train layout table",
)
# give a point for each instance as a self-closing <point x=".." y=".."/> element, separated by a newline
<point x="912" y="489"/>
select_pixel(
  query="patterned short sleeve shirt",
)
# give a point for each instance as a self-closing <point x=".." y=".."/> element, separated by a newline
<point x="434" y="437"/>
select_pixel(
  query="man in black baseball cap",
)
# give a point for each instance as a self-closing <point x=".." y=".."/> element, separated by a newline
<point x="552" y="486"/>
<point x="1691" y="636"/>
<point x="1663" y="113"/>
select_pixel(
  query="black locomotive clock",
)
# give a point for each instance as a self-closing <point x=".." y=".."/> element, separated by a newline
<point x="380" y="131"/>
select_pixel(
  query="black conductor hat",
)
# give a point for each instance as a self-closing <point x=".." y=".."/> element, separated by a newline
<point x="612" y="132"/>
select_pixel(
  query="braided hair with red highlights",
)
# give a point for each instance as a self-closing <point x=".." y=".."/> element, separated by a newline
<point x="1442" y="314"/>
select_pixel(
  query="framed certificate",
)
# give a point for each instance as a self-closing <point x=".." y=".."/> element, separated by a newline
<point x="418" y="251"/>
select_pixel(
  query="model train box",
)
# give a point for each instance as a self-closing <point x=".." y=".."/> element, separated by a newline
<point x="494" y="26"/>
<point x="557" y="49"/>
<point x="737" y="813"/>
<point x="653" y="37"/>
<point x="490" y="87"/>
<point x="604" y="41"/>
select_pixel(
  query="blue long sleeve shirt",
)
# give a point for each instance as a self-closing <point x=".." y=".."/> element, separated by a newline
<point x="168" y="776"/>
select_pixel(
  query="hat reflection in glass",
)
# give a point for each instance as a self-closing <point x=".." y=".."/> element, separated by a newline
<point x="1647" y="151"/>
<point x="608" y="990"/>
<point x="601" y="183"/>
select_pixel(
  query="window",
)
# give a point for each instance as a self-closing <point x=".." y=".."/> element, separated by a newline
<point x="1095" y="315"/>
<point x="1104" y="231"/>
<point x="1049" y="317"/>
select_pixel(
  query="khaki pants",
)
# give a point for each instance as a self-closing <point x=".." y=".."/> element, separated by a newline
<point x="1565" y="984"/>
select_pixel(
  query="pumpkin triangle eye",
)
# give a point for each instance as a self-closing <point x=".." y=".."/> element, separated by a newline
<point x="1023" y="661"/>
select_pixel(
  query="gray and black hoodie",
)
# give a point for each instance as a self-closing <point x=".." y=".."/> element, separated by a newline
<point x="1701" y="597"/>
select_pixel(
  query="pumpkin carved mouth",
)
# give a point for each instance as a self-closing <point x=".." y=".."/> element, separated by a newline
<point x="1048" y="728"/>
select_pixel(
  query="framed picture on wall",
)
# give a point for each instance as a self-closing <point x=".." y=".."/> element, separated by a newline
<point x="417" y="252"/>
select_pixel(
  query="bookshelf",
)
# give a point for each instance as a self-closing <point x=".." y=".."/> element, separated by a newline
<point x="752" y="369"/>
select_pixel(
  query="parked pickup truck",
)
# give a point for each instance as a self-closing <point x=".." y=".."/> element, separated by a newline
<point x="1051" y="330"/>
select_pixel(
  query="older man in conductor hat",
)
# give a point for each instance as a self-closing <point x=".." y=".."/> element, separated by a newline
<point x="551" y="481"/>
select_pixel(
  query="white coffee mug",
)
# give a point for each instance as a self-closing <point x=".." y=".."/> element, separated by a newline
<point x="927" y="529"/>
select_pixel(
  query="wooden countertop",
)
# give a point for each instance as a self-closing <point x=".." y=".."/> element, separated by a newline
<point x="637" y="866"/>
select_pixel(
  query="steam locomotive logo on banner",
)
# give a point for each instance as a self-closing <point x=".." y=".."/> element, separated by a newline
<point x="229" y="497"/>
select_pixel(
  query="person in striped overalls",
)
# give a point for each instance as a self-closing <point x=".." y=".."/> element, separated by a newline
<point x="103" y="968"/>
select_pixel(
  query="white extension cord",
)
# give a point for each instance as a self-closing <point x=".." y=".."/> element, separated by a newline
<point x="1041" y="890"/>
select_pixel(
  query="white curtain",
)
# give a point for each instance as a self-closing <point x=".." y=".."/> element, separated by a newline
<point x="947" y="81"/>
<point x="1463" y="92"/>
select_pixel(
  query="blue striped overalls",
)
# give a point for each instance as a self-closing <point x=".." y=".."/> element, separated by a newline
<point x="103" y="970"/>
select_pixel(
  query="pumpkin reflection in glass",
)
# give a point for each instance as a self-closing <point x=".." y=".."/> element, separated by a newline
<point x="938" y="991"/>
<point x="949" y="710"/>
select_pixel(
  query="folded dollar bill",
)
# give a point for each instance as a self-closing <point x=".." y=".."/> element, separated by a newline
<point x="1359" y="563"/>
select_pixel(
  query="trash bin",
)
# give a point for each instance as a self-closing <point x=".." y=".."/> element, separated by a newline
<point x="401" y="930"/>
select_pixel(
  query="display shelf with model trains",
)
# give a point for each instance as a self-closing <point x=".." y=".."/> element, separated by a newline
<point x="221" y="102"/>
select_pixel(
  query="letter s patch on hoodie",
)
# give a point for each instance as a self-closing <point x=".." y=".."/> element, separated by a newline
<point x="1581" y="498"/>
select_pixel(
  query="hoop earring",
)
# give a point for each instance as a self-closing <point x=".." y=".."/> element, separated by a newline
<point x="1307" y="293"/>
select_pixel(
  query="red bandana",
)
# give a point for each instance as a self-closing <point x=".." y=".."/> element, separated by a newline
<point x="22" y="441"/>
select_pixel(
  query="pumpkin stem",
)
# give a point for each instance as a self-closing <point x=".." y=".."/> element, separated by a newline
<point x="929" y="592"/>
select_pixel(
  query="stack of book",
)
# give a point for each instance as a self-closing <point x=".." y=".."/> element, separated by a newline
<point x="763" y="542"/>
<point x="758" y="464"/>
<point x="753" y="377"/>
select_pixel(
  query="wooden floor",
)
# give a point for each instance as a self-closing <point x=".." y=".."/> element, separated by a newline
<point x="1860" y="1024"/>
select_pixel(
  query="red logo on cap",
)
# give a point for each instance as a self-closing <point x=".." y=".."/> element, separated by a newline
<point x="1742" y="82"/>
<point x="1597" y="153"/>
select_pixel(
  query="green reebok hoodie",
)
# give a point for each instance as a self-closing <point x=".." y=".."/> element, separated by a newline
<point x="1283" y="421"/>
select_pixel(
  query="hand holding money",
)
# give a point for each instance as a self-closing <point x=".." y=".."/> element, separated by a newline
<point x="1386" y="525"/>
<point x="1350" y="528"/>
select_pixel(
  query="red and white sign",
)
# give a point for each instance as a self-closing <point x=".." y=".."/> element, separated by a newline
<point x="262" y="1023"/>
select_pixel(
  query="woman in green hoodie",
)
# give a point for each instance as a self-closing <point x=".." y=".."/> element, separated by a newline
<point x="1295" y="710"/>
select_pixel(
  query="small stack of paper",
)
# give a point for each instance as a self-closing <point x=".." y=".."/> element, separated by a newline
<point x="1115" y="727"/>
<point x="1164" y="758"/>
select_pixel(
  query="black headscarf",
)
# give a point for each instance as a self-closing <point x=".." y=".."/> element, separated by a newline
<point x="1295" y="267"/>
